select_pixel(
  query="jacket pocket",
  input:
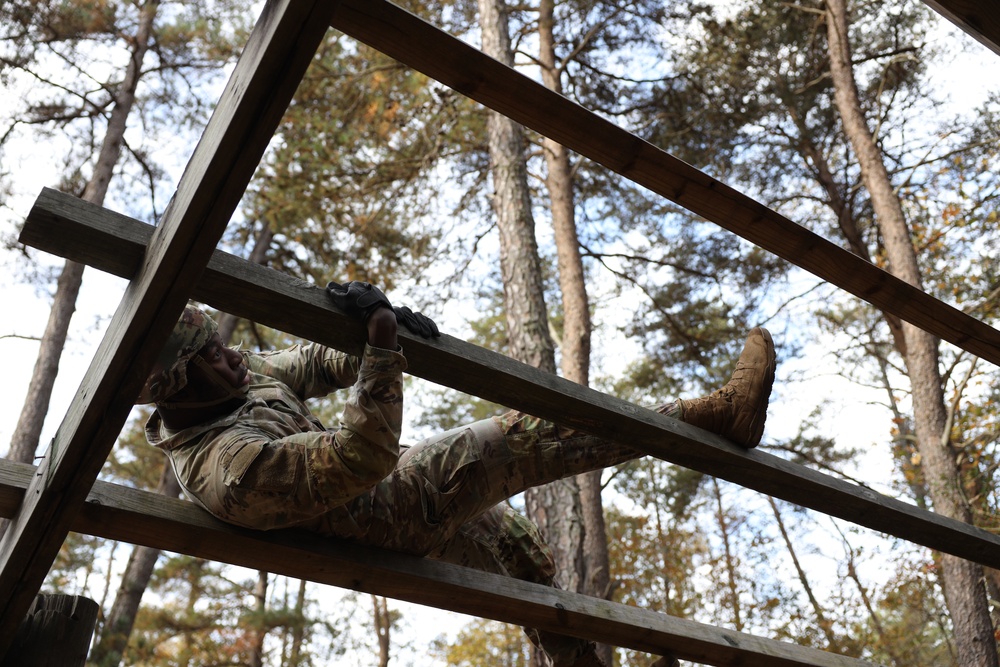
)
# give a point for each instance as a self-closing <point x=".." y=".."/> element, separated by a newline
<point x="270" y="469"/>
<point x="237" y="459"/>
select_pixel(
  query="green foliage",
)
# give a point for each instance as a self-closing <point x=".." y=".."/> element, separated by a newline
<point x="78" y="561"/>
<point x="347" y="173"/>
<point x="706" y="288"/>
<point x="909" y="627"/>
<point x="195" y="623"/>
<point x="484" y="643"/>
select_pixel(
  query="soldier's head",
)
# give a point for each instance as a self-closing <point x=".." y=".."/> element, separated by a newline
<point x="195" y="368"/>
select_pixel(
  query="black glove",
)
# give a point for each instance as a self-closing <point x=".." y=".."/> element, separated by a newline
<point x="357" y="298"/>
<point x="418" y="323"/>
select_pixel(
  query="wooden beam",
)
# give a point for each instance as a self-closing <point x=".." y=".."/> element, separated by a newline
<point x="280" y="48"/>
<point x="979" y="18"/>
<point x="415" y="42"/>
<point x="126" y="514"/>
<point x="72" y="228"/>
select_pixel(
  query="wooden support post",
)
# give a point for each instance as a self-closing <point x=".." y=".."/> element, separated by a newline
<point x="282" y="45"/>
<point x="56" y="631"/>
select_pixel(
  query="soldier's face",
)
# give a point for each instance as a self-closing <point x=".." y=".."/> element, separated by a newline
<point x="227" y="363"/>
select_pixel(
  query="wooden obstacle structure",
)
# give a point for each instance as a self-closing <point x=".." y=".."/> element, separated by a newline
<point x="177" y="260"/>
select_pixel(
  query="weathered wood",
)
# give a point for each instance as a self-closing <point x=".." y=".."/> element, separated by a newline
<point x="56" y="631"/>
<point x="72" y="228"/>
<point x="279" y="50"/>
<point x="979" y="18"/>
<point x="126" y="514"/>
<point x="428" y="49"/>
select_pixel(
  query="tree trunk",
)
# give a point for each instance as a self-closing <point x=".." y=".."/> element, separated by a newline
<point x="383" y="624"/>
<point x="595" y="577"/>
<point x="256" y="658"/>
<point x="520" y="267"/>
<point x="888" y="645"/>
<point x="298" y="630"/>
<point x="833" y="644"/>
<point x="559" y="183"/>
<point x="24" y="441"/>
<point x="555" y="507"/>
<point x="732" y="582"/>
<point x="114" y="635"/>
<point x="962" y="581"/>
<point x="846" y="219"/>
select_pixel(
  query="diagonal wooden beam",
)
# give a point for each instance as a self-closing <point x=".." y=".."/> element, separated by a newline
<point x="280" y="48"/>
<point x="979" y="18"/>
<point x="408" y="39"/>
<point x="122" y="513"/>
<point x="109" y="241"/>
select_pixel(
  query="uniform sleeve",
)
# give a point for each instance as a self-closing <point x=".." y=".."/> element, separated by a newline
<point x="367" y="443"/>
<point x="265" y="480"/>
<point x="309" y="370"/>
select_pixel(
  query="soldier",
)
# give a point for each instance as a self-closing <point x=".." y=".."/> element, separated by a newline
<point x="246" y="447"/>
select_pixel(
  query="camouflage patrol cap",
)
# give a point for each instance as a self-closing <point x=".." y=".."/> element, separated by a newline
<point x="169" y="374"/>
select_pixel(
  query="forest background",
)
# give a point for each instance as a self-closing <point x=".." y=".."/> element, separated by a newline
<point x="378" y="174"/>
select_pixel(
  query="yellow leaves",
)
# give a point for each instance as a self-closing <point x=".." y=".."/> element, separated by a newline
<point x="950" y="212"/>
<point x="381" y="116"/>
<point x="377" y="80"/>
<point x="915" y="459"/>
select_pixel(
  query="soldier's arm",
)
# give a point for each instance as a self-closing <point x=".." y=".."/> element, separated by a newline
<point x="261" y="477"/>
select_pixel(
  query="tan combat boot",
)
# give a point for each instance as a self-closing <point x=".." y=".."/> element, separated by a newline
<point x="737" y="411"/>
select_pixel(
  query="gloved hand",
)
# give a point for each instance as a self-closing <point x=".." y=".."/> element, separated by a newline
<point x="357" y="298"/>
<point x="418" y="323"/>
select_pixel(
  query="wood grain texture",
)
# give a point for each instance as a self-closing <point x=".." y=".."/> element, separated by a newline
<point x="979" y="18"/>
<point x="428" y="49"/>
<point x="74" y="229"/>
<point x="277" y="53"/>
<point x="126" y="514"/>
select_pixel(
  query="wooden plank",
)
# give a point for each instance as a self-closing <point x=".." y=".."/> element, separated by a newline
<point x="62" y="224"/>
<point x="280" y="48"/>
<point x="424" y="47"/>
<point x="979" y="18"/>
<point x="126" y="514"/>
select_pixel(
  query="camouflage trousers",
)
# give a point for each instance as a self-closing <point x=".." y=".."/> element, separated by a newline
<point x="445" y="501"/>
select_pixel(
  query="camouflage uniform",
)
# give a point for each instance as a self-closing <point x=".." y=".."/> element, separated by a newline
<point x="271" y="464"/>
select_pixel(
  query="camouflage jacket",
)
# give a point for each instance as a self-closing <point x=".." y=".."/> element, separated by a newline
<point x="270" y="462"/>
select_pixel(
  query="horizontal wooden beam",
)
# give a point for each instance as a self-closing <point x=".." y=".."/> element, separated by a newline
<point x="279" y="50"/>
<point x="413" y="41"/>
<point x="979" y="18"/>
<point x="66" y="226"/>
<point x="139" y="517"/>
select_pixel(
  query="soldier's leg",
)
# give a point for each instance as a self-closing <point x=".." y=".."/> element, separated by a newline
<point x="502" y="541"/>
<point x="447" y="480"/>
